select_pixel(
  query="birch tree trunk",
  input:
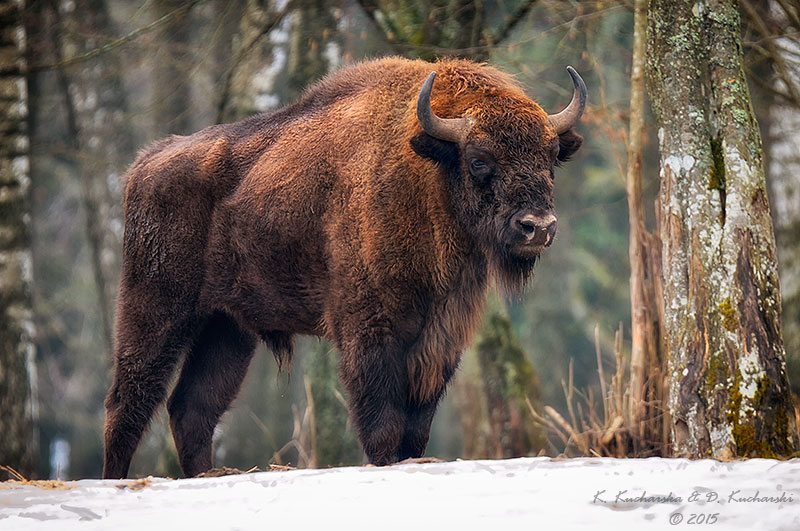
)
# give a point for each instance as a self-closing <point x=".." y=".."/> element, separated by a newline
<point x="17" y="377"/>
<point x="729" y="393"/>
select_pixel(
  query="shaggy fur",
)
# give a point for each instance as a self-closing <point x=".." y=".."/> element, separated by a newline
<point x="338" y="217"/>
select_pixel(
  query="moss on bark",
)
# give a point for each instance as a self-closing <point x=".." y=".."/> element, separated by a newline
<point x="728" y="387"/>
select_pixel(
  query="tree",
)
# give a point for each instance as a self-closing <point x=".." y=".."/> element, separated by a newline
<point x="100" y="141"/>
<point x="729" y="392"/>
<point x="333" y="442"/>
<point x="17" y="383"/>
<point x="497" y="387"/>
<point x="508" y="381"/>
<point x="771" y="33"/>
<point x="171" y="64"/>
<point x="646" y="311"/>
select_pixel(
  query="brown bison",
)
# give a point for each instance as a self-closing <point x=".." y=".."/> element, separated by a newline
<point x="373" y="212"/>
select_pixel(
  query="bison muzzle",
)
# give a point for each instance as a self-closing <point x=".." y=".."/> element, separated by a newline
<point x="372" y="212"/>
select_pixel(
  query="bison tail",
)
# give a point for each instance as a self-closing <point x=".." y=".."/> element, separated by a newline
<point x="280" y="343"/>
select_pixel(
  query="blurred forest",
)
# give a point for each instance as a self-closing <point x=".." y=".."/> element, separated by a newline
<point x="108" y="77"/>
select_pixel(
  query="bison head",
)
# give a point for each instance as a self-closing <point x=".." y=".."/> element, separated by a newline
<point x="500" y="152"/>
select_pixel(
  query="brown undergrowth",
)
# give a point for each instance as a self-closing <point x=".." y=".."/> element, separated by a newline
<point x="18" y="480"/>
<point x="611" y="429"/>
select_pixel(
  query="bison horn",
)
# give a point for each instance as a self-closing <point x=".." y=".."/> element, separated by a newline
<point x="563" y="121"/>
<point x="450" y="129"/>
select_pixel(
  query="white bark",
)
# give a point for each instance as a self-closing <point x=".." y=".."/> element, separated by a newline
<point x="18" y="406"/>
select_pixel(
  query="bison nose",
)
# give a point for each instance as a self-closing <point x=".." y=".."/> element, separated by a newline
<point x="537" y="230"/>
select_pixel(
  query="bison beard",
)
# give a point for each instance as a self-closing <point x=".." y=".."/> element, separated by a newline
<point x="372" y="212"/>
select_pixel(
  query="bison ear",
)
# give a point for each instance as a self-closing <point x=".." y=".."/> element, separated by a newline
<point x="445" y="153"/>
<point x="568" y="144"/>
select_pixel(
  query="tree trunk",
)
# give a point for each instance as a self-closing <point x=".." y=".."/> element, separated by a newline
<point x="729" y="393"/>
<point x="171" y="72"/>
<point x="784" y="180"/>
<point x="311" y="32"/>
<point x="100" y="141"/>
<point x="508" y="380"/>
<point x="17" y="369"/>
<point x="333" y="443"/>
<point x="645" y="282"/>
<point x="774" y="81"/>
<point x="251" y="80"/>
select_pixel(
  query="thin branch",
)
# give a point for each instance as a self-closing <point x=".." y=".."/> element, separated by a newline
<point x="755" y="78"/>
<point x="312" y="416"/>
<point x="600" y="373"/>
<point x="543" y="421"/>
<point x="512" y="21"/>
<point x="791" y="11"/>
<point x="91" y="54"/>
<point x="389" y="32"/>
<point x="777" y="58"/>
<point x="242" y="54"/>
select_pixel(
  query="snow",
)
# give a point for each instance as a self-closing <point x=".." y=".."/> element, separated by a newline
<point x="525" y="493"/>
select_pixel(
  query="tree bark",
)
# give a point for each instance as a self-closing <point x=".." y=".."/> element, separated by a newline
<point x="771" y="66"/>
<point x="508" y="380"/>
<point x="645" y="278"/>
<point x="729" y="392"/>
<point x="172" y="62"/>
<point x="17" y="351"/>
<point x="332" y="443"/>
<point x="100" y="141"/>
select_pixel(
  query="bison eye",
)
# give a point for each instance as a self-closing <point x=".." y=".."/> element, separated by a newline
<point x="554" y="151"/>
<point x="479" y="168"/>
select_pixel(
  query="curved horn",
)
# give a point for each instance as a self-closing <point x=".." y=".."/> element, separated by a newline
<point x="564" y="120"/>
<point x="450" y="129"/>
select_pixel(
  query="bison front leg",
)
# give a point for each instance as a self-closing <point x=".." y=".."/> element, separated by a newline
<point x="418" y="429"/>
<point x="377" y="388"/>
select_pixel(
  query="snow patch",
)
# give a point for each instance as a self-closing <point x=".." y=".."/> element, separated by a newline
<point x="524" y="494"/>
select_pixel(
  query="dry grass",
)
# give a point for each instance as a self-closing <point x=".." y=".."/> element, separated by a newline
<point x="609" y="430"/>
<point x="18" y="480"/>
<point x="136" y="484"/>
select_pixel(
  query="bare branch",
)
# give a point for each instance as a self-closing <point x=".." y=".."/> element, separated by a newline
<point x="242" y="54"/>
<point x="780" y="65"/>
<point x="512" y="21"/>
<point x="91" y="54"/>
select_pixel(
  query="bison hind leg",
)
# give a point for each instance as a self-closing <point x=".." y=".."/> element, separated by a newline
<point x="210" y="379"/>
<point x="145" y="363"/>
<point x="280" y="343"/>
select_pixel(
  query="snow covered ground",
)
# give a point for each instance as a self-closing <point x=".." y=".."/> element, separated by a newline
<point x="529" y="493"/>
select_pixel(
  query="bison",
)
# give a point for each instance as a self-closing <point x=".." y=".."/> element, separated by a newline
<point x="373" y="212"/>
